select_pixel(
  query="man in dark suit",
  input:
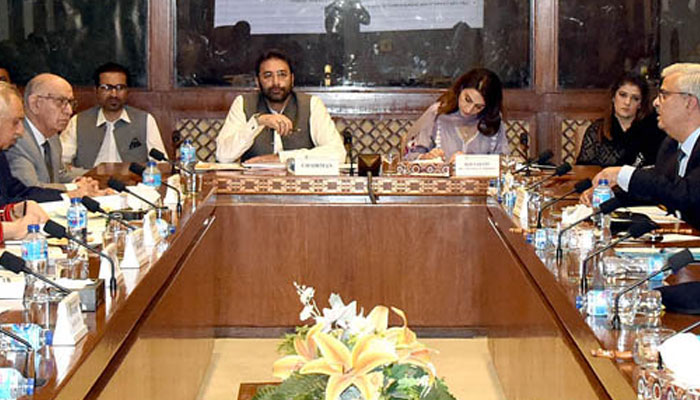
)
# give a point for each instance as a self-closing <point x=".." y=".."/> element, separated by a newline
<point x="675" y="179"/>
<point x="11" y="128"/>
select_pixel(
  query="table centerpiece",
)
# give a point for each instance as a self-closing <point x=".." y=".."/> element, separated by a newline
<point x="345" y="355"/>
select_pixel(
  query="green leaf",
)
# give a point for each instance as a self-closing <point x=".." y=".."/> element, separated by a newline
<point x="296" y="387"/>
<point x="286" y="347"/>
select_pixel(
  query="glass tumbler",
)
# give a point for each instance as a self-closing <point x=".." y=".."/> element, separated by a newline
<point x="646" y="346"/>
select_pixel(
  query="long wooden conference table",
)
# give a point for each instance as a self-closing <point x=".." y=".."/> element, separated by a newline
<point x="437" y="248"/>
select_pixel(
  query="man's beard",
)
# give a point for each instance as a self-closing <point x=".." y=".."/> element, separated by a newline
<point x="278" y="97"/>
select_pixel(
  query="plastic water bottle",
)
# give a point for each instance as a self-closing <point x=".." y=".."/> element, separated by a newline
<point x="161" y="224"/>
<point x="188" y="161"/>
<point x="151" y="175"/>
<point x="13" y="385"/>
<point x="77" y="217"/>
<point x="188" y="155"/>
<point x="35" y="252"/>
<point x="601" y="194"/>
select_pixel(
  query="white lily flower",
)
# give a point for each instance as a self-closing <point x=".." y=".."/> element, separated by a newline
<point x="307" y="295"/>
<point x="335" y="300"/>
<point x="360" y="326"/>
<point x="339" y="313"/>
<point x="306" y="313"/>
<point x="347" y="313"/>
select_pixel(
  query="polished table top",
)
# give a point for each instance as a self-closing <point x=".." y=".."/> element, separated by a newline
<point x="110" y="326"/>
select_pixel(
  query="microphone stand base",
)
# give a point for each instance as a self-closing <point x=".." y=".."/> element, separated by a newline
<point x="615" y="323"/>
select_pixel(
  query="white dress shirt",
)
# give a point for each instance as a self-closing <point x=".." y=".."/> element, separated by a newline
<point x="108" y="151"/>
<point x="38" y="136"/>
<point x="625" y="175"/>
<point x="40" y="139"/>
<point x="238" y="134"/>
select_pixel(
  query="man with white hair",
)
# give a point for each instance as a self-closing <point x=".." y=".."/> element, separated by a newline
<point x="675" y="179"/>
<point x="17" y="210"/>
<point x="36" y="157"/>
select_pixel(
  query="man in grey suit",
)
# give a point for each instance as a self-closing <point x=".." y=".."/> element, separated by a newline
<point x="36" y="157"/>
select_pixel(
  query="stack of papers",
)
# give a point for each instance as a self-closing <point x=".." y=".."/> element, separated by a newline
<point x="655" y="213"/>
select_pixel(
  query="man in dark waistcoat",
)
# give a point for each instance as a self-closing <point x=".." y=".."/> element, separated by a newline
<point x="278" y="123"/>
<point x="674" y="181"/>
<point x="111" y="131"/>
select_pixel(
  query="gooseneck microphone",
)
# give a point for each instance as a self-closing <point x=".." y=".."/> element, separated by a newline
<point x="59" y="231"/>
<point x="635" y="231"/>
<point x="159" y="156"/>
<point x="136" y="168"/>
<point x="347" y="142"/>
<point x="119" y="186"/>
<point x="559" y="171"/>
<point x="675" y="263"/>
<point x="580" y="187"/>
<point x="94" y="206"/>
<point x="605" y="208"/>
<point x="15" y="264"/>
<point x="542" y="158"/>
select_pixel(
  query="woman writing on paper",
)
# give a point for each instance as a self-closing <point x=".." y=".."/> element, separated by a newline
<point x="465" y="120"/>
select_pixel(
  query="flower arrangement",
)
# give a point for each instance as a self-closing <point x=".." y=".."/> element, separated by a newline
<point x="347" y="356"/>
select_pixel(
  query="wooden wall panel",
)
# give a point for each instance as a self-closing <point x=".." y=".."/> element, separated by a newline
<point x="544" y="105"/>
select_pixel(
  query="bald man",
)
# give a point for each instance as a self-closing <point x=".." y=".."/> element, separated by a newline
<point x="11" y="116"/>
<point x="36" y="157"/>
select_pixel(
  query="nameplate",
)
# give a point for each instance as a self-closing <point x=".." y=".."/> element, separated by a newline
<point x="70" y="326"/>
<point x="106" y="267"/>
<point x="135" y="254"/>
<point x="151" y="236"/>
<point x="316" y="167"/>
<point x="478" y="165"/>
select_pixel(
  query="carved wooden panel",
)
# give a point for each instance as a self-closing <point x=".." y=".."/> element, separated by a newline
<point x="347" y="185"/>
<point x="375" y="135"/>
<point x="202" y="132"/>
<point x="572" y="131"/>
<point x="515" y="128"/>
<point x="371" y="135"/>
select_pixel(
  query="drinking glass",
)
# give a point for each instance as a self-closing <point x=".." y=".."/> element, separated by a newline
<point x="390" y="163"/>
<point x="626" y="306"/>
<point x="534" y="202"/>
<point x="646" y="346"/>
<point x="649" y="308"/>
<point x="191" y="184"/>
<point x="76" y="268"/>
<point x="115" y="233"/>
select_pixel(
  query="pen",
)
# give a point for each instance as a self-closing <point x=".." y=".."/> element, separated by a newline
<point x="24" y="209"/>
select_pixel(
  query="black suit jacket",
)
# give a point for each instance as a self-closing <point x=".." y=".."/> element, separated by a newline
<point x="13" y="191"/>
<point x="661" y="184"/>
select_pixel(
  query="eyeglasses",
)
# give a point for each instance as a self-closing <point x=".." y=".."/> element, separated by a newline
<point x="106" y="87"/>
<point x="61" y="101"/>
<point x="664" y="94"/>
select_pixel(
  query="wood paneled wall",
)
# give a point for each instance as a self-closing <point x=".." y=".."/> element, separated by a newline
<point x="544" y="105"/>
